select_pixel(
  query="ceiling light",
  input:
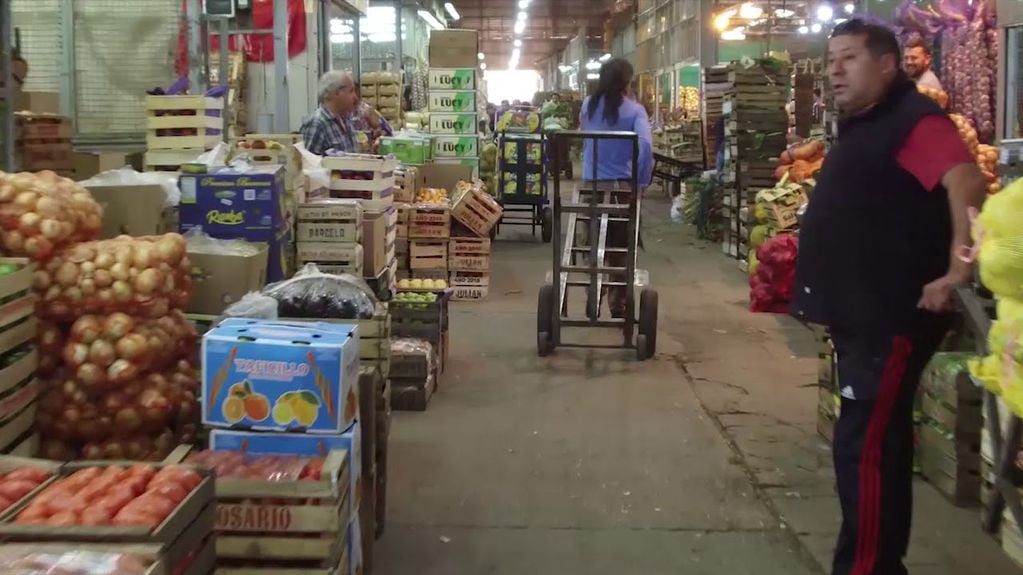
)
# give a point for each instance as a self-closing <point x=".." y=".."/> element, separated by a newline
<point x="481" y="56"/>
<point x="605" y="57"/>
<point x="523" y="4"/>
<point x="734" y="34"/>
<point x="815" y="28"/>
<point x="517" y="43"/>
<point x="784" y="13"/>
<point x="849" y="8"/>
<point x="451" y="11"/>
<point x="825" y="13"/>
<point x="516" y="53"/>
<point x="592" y="76"/>
<point x="483" y="66"/>
<point x="520" y="27"/>
<point x="750" y="11"/>
<point x="523" y="15"/>
<point x="431" y="19"/>
<point x="840" y="20"/>
<point x="564" y="69"/>
<point x="804" y="30"/>
<point x="593" y="65"/>
<point x="722" y="19"/>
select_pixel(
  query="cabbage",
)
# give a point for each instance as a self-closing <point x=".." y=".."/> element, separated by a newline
<point x="758" y="235"/>
<point x="1000" y="242"/>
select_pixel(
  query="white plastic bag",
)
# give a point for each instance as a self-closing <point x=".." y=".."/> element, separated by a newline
<point x="253" y="306"/>
<point x="127" y="176"/>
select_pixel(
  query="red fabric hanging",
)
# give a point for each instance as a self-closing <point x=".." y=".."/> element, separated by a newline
<point x="257" y="47"/>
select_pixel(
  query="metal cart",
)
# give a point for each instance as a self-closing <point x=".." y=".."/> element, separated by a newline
<point x="522" y="183"/>
<point x="581" y="254"/>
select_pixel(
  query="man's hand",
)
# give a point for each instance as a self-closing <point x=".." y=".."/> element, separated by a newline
<point x="937" y="297"/>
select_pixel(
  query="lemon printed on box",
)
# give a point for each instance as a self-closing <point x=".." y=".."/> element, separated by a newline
<point x="300" y="406"/>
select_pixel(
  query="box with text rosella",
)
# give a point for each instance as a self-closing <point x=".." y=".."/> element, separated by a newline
<point x="235" y="204"/>
<point x="280" y="376"/>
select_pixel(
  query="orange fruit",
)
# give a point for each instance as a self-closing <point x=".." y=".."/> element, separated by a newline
<point x="234" y="409"/>
<point x="257" y="407"/>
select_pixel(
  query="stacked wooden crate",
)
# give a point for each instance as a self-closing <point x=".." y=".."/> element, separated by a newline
<point x="43" y="142"/>
<point x="476" y="213"/>
<point x="237" y="111"/>
<point x="429" y="230"/>
<point x="19" y="358"/>
<point x="181" y="128"/>
<point x="715" y="86"/>
<point x="383" y="92"/>
<point x="328" y="234"/>
<point x="828" y="399"/>
<point x="755" y="135"/>
<point x="415" y="368"/>
<point x="950" y="433"/>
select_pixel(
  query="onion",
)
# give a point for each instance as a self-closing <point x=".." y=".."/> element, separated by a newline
<point x="26" y="200"/>
<point x="14" y="241"/>
<point x="104" y="260"/>
<point x="103" y="278"/>
<point x="29" y="222"/>
<point x="122" y="371"/>
<point x="75" y="354"/>
<point x="40" y="280"/>
<point x="102" y="353"/>
<point x="117" y="325"/>
<point x="120" y="271"/>
<point x="122" y="291"/>
<point x="144" y="256"/>
<point x="67" y="274"/>
<point x="132" y="346"/>
<point x="91" y="375"/>
<point x="87" y="329"/>
<point x="148" y="281"/>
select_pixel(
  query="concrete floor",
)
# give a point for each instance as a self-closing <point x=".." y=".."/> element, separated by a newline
<point x="704" y="460"/>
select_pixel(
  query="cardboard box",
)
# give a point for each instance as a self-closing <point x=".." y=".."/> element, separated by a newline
<point x="413" y="150"/>
<point x="38" y="102"/>
<point x="454" y="101"/>
<point x="454" y="48"/>
<point x="456" y="147"/>
<point x="452" y="79"/>
<point x="442" y="175"/>
<point x="218" y="280"/>
<point x="89" y="163"/>
<point x="473" y="164"/>
<point x="232" y="204"/>
<point x="454" y="124"/>
<point x="132" y="210"/>
<point x="378" y="235"/>
<point x="261" y="443"/>
<point x="280" y="376"/>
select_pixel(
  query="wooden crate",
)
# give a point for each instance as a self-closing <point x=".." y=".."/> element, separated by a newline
<point x="950" y="464"/>
<point x="469" y="278"/>
<point x="429" y="222"/>
<point x="33" y="157"/>
<point x="270" y="527"/>
<point x="369" y="179"/>
<point x="428" y="255"/>
<point x="42" y="128"/>
<point x="331" y="257"/>
<point x="170" y="160"/>
<point x="404" y="216"/>
<point x="329" y="221"/>
<point x="183" y="122"/>
<point x="469" y="293"/>
<point x="469" y="254"/>
<point x="477" y="210"/>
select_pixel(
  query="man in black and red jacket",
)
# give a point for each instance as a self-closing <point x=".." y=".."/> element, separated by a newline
<point x="877" y="266"/>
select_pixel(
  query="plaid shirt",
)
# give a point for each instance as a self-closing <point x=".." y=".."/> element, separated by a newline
<point x="324" y="131"/>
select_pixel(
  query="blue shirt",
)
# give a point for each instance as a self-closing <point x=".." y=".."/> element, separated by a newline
<point x="615" y="156"/>
<point x="324" y="131"/>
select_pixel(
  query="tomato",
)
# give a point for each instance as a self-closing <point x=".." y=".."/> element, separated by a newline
<point x="113" y="502"/>
<point x="96" y="516"/>
<point x="64" y="518"/>
<point x="28" y="474"/>
<point x="35" y="518"/>
<point x="136" y="483"/>
<point x="151" y="504"/>
<point x="16" y="489"/>
<point x="135" y="519"/>
<point x="5" y="503"/>
<point x="142" y="470"/>
<point x="185" y="476"/>
<point x="73" y="504"/>
<point x="171" y="491"/>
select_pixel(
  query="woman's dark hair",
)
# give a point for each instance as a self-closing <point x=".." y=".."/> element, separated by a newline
<point x="615" y="77"/>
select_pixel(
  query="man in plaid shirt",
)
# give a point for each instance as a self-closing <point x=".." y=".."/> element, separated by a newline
<point x="330" y="127"/>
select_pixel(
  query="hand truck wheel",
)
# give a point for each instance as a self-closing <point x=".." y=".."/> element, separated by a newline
<point x="545" y="320"/>
<point x="547" y="224"/>
<point x="646" y="341"/>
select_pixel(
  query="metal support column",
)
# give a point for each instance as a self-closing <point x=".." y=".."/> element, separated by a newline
<point x="708" y="40"/>
<point x="7" y="91"/>
<point x="356" y="48"/>
<point x="282" y="105"/>
<point x="399" y="50"/>
<point x="225" y="74"/>
<point x="66" y="21"/>
<point x="196" y="58"/>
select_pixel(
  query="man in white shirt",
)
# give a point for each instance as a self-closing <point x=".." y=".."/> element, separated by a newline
<point x="917" y="62"/>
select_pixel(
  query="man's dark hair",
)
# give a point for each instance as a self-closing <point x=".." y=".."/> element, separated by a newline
<point x="918" y="42"/>
<point x="880" y="39"/>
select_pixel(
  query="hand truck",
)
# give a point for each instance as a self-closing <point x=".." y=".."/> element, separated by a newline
<point x="581" y="256"/>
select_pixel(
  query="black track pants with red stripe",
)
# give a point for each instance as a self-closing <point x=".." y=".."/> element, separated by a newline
<point x="873" y="453"/>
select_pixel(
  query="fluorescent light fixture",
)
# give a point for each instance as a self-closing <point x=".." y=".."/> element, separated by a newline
<point x="721" y="20"/>
<point x="815" y="28"/>
<point x="522" y="15"/>
<point x="592" y="76"/>
<point x="605" y="57"/>
<point x="517" y="43"/>
<point x="849" y="8"/>
<point x="483" y="66"/>
<point x="520" y="27"/>
<point x="784" y="13"/>
<point x="804" y="30"/>
<point x="825" y="12"/>
<point x="565" y="69"/>
<point x="840" y="20"/>
<point x="734" y="34"/>
<point x="516" y="53"/>
<point x="451" y="11"/>
<point x="431" y="19"/>
<point x="481" y="56"/>
<point x="593" y="65"/>
<point x="750" y="11"/>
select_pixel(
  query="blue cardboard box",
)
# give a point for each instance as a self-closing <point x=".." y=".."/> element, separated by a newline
<point x="261" y="443"/>
<point x="280" y="376"/>
<point x="235" y="204"/>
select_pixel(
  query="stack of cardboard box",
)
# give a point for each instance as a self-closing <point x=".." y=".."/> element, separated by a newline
<point x="453" y="98"/>
<point x="383" y="92"/>
<point x="43" y="142"/>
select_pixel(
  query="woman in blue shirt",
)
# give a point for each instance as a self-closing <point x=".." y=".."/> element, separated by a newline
<point x="612" y="109"/>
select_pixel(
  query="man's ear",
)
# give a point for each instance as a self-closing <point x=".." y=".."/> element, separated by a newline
<point x="889" y="64"/>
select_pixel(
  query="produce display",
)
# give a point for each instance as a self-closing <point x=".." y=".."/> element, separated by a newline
<point x="801" y="162"/>
<point x="136" y="496"/>
<point x="237" y="465"/>
<point x="967" y="133"/>
<point x="771" y="284"/>
<point x="146" y="276"/>
<point x="312" y="294"/>
<point x="999" y="255"/>
<point x="432" y="196"/>
<point x="987" y="159"/>
<point x="18" y="483"/>
<point x="939" y="96"/>
<point x="422" y="284"/>
<point x="521" y="121"/>
<point x="42" y="212"/>
<point x="415" y="299"/>
<point x="556" y="116"/>
<point x="21" y="561"/>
